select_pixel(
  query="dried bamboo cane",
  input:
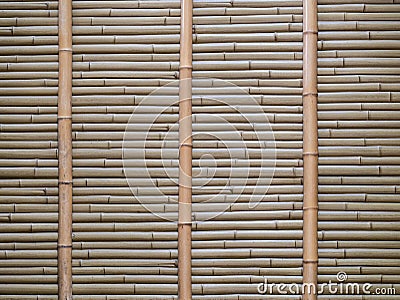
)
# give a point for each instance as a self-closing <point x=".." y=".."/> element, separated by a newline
<point x="185" y="154"/>
<point x="310" y="146"/>
<point x="64" y="246"/>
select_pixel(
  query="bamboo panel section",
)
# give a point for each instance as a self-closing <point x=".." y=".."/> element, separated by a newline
<point x="358" y="114"/>
<point x="270" y="52"/>
<point x="29" y="73"/>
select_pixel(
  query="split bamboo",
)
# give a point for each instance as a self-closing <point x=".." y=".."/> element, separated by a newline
<point x="64" y="245"/>
<point x="310" y="146"/>
<point x="185" y="154"/>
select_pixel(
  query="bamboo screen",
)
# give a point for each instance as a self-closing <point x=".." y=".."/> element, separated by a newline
<point x="125" y="50"/>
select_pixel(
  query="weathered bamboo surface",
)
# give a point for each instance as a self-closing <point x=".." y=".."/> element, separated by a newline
<point x="124" y="50"/>
<point x="356" y="123"/>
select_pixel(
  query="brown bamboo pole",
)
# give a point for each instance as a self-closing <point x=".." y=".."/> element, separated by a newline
<point x="310" y="146"/>
<point x="64" y="245"/>
<point x="185" y="154"/>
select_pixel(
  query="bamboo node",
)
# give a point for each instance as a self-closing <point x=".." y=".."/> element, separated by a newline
<point x="64" y="117"/>
<point x="310" y="261"/>
<point x="185" y="145"/>
<point x="64" y="182"/>
<point x="310" y="207"/>
<point x="64" y="245"/>
<point x="185" y="67"/>
<point x="310" y="32"/>
<point x="65" y="49"/>
<point x="310" y="153"/>
<point x="185" y="223"/>
<point x="310" y="94"/>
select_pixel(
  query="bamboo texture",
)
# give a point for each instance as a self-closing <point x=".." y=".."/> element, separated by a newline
<point x="185" y="154"/>
<point x="64" y="117"/>
<point x="119" y="248"/>
<point x="310" y="147"/>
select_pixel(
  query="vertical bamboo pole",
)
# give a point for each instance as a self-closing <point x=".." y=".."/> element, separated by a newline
<point x="185" y="154"/>
<point x="64" y="245"/>
<point x="310" y="146"/>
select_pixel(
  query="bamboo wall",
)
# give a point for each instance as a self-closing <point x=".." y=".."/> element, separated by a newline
<point x="123" y="50"/>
